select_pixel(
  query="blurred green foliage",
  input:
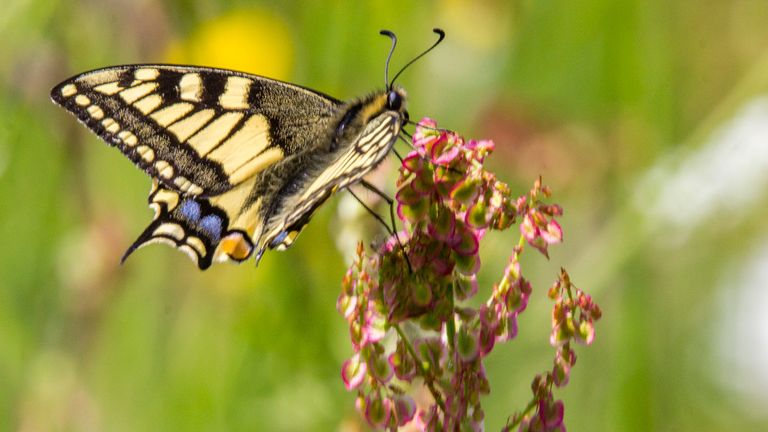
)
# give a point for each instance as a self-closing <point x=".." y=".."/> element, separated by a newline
<point x="591" y="94"/>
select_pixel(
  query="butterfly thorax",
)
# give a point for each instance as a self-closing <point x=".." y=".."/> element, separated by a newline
<point x="358" y="112"/>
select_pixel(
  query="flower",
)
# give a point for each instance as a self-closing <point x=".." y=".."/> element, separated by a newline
<point x="221" y="41"/>
<point x="404" y="301"/>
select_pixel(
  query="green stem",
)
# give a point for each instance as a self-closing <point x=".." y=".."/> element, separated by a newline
<point x="450" y="324"/>
<point x="429" y="381"/>
<point x="527" y="409"/>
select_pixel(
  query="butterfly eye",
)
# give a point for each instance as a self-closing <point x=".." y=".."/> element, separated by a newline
<point x="394" y="101"/>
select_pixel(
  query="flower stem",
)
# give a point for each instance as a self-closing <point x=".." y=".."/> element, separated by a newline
<point x="429" y="381"/>
<point x="521" y="243"/>
<point x="450" y="324"/>
<point x="522" y="415"/>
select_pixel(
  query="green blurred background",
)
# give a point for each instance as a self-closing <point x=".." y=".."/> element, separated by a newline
<point x="648" y="118"/>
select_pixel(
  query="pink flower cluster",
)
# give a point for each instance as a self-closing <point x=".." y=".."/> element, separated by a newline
<point x="371" y="370"/>
<point x="404" y="303"/>
<point x="573" y="318"/>
<point x="539" y="227"/>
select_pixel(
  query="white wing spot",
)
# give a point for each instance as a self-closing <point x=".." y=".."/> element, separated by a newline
<point x="235" y="94"/>
<point x="164" y="169"/>
<point x="146" y="74"/>
<point x="196" y="244"/>
<point x="183" y="129"/>
<point x="149" y="103"/>
<point x="82" y="100"/>
<point x="133" y="94"/>
<point x="171" y="113"/>
<point x="167" y="197"/>
<point x="171" y="230"/>
<point x="110" y="125"/>
<point x="94" y="79"/>
<point x="191" y="87"/>
<point x="95" y="112"/>
<point x="146" y="153"/>
<point x="128" y="138"/>
<point x="109" y="88"/>
<point x="181" y="182"/>
<point x="187" y="186"/>
<point x="68" y="90"/>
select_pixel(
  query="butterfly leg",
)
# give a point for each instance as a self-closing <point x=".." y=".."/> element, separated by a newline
<point x="373" y="213"/>
<point x="397" y="155"/>
<point x="391" y="203"/>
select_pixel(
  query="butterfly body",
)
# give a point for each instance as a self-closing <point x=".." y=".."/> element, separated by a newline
<point x="239" y="162"/>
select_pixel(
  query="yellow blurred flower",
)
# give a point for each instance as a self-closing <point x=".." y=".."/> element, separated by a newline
<point x="482" y="25"/>
<point x="250" y="40"/>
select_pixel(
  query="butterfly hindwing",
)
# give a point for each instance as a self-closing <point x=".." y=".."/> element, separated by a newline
<point x="199" y="131"/>
<point x="347" y="166"/>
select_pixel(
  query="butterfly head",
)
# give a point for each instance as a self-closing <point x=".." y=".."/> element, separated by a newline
<point x="396" y="101"/>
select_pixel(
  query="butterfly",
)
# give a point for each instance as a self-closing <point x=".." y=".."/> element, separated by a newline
<point x="239" y="162"/>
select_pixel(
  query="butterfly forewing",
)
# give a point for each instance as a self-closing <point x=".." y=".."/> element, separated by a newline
<point x="199" y="131"/>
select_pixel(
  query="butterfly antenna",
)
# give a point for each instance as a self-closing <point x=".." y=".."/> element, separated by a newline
<point x="441" y="35"/>
<point x="392" y="36"/>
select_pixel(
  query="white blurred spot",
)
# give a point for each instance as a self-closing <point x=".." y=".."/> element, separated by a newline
<point x="349" y="214"/>
<point x="742" y="331"/>
<point x="723" y="177"/>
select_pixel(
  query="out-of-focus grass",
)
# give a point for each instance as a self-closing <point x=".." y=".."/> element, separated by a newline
<point x="592" y="94"/>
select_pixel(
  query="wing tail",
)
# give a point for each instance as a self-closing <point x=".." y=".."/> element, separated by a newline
<point x="194" y="226"/>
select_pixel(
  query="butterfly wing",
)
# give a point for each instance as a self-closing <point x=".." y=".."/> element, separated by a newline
<point x="275" y="204"/>
<point x="198" y="131"/>
<point x="205" y="136"/>
<point x="341" y="169"/>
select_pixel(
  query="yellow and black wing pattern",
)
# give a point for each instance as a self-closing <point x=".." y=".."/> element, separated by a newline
<point x="239" y="162"/>
<point x="346" y="168"/>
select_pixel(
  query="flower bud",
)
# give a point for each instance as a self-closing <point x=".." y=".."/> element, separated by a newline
<point x="404" y="409"/>
<point x="466" y="344"/>
<point x="380" y="369"/>
<point x="466" y="191"/>
<point x="478" y="215"/>
<point x="377" y="410"/>
<point x="353" y="372"/>
<point x="421" y="294"/>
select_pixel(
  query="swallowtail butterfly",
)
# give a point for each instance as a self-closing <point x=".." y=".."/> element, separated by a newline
<point x="239" y="162"/>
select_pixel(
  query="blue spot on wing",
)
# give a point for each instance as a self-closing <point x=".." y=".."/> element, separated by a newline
<point x="190" y="209"/>
<point x="211" y="224"/>
<point x="279" y="239"/>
